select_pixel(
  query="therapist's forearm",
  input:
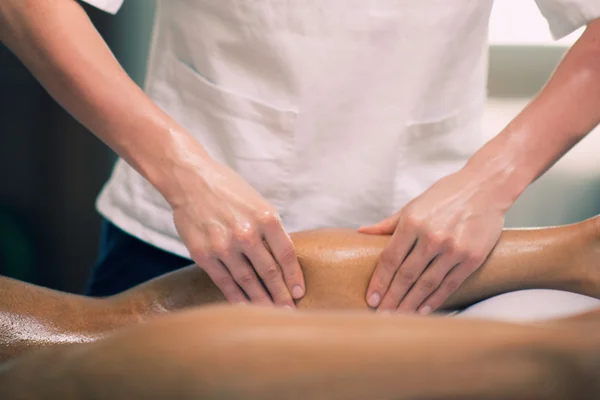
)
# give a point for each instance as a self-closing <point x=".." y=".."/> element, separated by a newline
<point x="60" y="46"/>
<point x="566" y="110"/>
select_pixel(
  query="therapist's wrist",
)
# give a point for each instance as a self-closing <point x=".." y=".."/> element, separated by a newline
<point x="496" y="177"/>
<point x="176" y="166"/>
<point x="500" y="187"/>
<point x="502" y="167"/>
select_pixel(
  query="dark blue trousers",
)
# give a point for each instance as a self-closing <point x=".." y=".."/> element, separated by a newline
<point x="125" y="261"/>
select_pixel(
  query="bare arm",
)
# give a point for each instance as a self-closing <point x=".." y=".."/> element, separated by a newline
<point x="56" y="40"/>
<point x="566" y="110"/>
<point x="457" y="221"/>
<point x="58" y="43"/>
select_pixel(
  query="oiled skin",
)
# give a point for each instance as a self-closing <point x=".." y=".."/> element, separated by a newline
<point x="337" y="265"/>
<point x="205" y="353"/>
<point x="254" y="353"/>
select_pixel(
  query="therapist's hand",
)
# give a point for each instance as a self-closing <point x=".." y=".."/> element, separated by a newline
<point x="439" y="239"/>
<point x="236" y="236"/>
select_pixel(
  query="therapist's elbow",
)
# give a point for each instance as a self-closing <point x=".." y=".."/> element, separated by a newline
<point x="16" y="15"/>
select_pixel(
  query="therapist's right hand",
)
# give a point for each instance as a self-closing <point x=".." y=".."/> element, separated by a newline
<point x="236" y="236"/>
<point x="230" y="230"/>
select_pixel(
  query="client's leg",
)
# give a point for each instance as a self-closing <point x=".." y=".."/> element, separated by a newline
<point x="580" y="257"/>
<point x="563" y="258"/>
<point x="32" y="317"/>
<point x="251" y="353"/>
<point x="338" y="264"/>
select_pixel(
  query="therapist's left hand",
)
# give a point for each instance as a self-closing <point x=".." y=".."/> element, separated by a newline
<point x="439" y="239"/>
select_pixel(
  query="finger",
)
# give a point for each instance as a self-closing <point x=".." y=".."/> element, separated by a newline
<point x="427" y="283"/>
<point x="387" y="265"/>
<point x="268" y="269"/>
<point x="243" y="273"/>
<point x="408" y="273"/>
<point x="383" y="227"/>
<point x="224" y="281"/>
<point x="456" y="277"/>
<point x="283" y="251"/>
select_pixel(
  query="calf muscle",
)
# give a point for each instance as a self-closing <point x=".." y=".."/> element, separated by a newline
<point x="337" y="265"/>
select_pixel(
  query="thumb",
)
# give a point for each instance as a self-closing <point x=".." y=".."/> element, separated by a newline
<point x="386" y="226"/>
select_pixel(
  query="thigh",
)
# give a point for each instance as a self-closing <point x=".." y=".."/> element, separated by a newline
<point x="125" y="261"/>
<point x="531" y="305"/>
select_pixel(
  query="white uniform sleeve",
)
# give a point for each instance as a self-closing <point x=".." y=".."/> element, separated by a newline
<point x="566" y="16"/>
<point x="110" y="6"/>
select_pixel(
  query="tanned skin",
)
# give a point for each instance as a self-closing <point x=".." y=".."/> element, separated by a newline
<point x="329" y="355"/>
<point x="333" y="354"/>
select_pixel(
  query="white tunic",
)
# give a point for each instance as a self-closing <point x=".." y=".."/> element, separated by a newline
<point x="337" y="111"/>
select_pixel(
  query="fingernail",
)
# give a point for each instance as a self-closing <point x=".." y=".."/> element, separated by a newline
<point x="374" y="300"/>
<point x="425" y="310"/>
<point x="297" y="292"/>
<point x="288" y="307"/>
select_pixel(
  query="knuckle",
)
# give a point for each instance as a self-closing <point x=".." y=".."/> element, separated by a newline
<point x="428" y="284"/>
<point x="280" y="297"/>
<point x="287" y="255"/>
<point x="395" y="294"/>
<point x="414" y="218"/>
<point x="293" y="274"/>
<point x="407" y="276"/>
<point x="379" y="285"/>
<point x="388" y="261"/>
<point x="219" y="248"/>
<point x="245" y="234"/>
<point x="453" y="246"/>
<point x="434" y="240"/>
<point x="245" y="279"/>
<point x="271" y="272"/>
<point x="268" y="217"/>
<point x="198" y="253"/>
<point x="451" y="285"/>
<point x="411" y="220"/>
<point x="223" y="282"/>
